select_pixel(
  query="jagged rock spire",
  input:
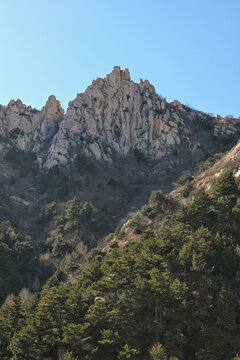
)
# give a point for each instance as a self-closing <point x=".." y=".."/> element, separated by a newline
<point x="113" y="117"/>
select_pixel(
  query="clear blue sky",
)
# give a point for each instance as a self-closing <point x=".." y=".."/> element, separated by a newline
<point x="188" y="49"/>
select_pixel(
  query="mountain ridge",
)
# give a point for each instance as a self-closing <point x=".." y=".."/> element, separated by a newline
<point x="114" y="117"/>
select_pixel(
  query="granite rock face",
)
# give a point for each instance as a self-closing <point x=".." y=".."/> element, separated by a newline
<point x="29" y="129"/>
<point x="114" y="117"/>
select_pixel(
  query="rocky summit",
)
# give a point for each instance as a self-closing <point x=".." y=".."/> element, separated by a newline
<point x="113" y="118"/>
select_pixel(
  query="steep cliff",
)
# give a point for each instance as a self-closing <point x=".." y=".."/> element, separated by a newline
<point x="27" y="128"/>
<point x="114" y="117"/>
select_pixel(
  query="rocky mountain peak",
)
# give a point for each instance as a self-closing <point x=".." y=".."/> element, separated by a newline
<point x="114" y="117"/>
<point x="53" y="106"/>
<point x="52" y="112"/>
<point x="117" y="75"/>
<point x="27" y="128"/>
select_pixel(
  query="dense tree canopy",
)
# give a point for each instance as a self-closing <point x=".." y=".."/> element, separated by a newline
<point x="172" y="295"/>
<point x="17" y="263"/>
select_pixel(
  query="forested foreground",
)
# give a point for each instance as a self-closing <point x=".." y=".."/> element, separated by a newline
<point x="173" y="294"/>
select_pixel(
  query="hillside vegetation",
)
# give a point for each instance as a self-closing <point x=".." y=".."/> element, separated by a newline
<point x="174" y="293"/>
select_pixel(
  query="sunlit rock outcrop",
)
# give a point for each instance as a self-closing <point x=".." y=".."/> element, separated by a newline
<point x="114" y="117"/>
